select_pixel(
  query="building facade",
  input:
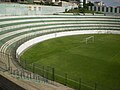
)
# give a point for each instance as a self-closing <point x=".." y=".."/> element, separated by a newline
<point x="104" y="9"/>
<point x="82" y="3"/>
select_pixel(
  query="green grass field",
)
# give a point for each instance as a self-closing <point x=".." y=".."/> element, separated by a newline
<point x="93" y="62"/>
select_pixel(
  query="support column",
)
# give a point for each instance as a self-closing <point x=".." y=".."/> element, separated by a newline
<point x="109" y="9"/>
<point x="118" y="10"/>
<point x="113" y="11"/>
<point x="89" y="8"/>
<point x="105" y="9"/>
<point x="100" y="9"/>
<point x="96" y="8"/>
<point x="92" y="8"/>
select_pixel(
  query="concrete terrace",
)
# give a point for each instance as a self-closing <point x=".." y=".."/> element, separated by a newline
<point x="15" y="30"/>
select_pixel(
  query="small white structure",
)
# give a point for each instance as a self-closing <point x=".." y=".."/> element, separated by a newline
<point x="99" y="3"/>
<point x="90" y="38"/>
<point x="68" y="5"/>
<point x="81" y="3"/>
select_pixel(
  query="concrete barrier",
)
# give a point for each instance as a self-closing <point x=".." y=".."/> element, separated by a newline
<point x="34" y="41"/>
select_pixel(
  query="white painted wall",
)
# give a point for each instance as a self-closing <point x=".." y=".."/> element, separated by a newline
<point x="26" y="9"/>
<point x="34" y="41"/>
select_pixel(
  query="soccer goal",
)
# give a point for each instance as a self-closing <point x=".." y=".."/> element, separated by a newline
<point x="90" y="39"/>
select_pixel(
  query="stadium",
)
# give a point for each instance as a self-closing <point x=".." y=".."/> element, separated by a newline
<point x="62" y="52"/>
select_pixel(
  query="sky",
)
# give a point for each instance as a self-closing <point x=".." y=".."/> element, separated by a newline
<point x="109" y="2"/>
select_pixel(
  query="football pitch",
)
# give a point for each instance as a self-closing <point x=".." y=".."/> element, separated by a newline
<point x="93" y="62"/>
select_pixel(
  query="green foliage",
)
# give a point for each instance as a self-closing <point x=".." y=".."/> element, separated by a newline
<point x="90" y="4"/>
<point x="80" y="10"/>
<point x="30" y="1"/>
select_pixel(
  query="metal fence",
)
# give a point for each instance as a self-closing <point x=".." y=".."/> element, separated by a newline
<point x="51" y="73"/>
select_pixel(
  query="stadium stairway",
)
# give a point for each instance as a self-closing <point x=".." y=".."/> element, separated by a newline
<point x="14" y="30"/>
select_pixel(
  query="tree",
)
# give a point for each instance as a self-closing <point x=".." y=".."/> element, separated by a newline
<point x="90" y="4"/>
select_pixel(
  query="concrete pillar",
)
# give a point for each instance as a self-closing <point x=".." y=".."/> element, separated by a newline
<point x="92" y="8"/>
<point x="89" y="8"/>
<point x="113" y="10"/>
<point x="96" y="8"/>
<point x="81" y="3"/>
<point x="109" y="9"/>
<point x="118" y="10"/>
<point x="100" y="9"/>
<point x="105" y="9"/>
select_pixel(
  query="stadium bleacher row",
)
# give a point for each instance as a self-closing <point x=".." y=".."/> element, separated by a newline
<point x="16" y="28"/>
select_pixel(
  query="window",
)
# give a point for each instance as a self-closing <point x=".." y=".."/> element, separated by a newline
<point x="102" y="9"/>
<point x="115" y="10"/>
<point x="106" y="9"/>
<point x="94" y="8"/>
<point x="111" y="9"/>
<point x="98" y="8"/>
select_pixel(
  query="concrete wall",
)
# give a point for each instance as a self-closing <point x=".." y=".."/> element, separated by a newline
<point x="6" y="84"/>
<point x="34" y="41"/>
<point x="23" y="9"/>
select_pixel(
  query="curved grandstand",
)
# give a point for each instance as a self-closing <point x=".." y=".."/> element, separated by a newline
<point x="15" y="30"/>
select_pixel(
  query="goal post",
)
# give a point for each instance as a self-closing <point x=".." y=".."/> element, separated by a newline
<point x="90" y="38"/>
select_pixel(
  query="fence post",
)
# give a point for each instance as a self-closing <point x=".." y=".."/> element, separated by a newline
<point x="95" y="86"/>
<point x="80" y="84"/>
<point x="10" y="70"/>
<point x="8" y="61"/>
<point x="21" y="73"/>
<point x="33" y="69"/>
<point x="66" y="76"/>
<point x="25" y="64"/>
<point x="47" y="71"/>
<point x="30" y="75"/>
<point x="53" y="74"/>
<point x="43" y="71"/>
